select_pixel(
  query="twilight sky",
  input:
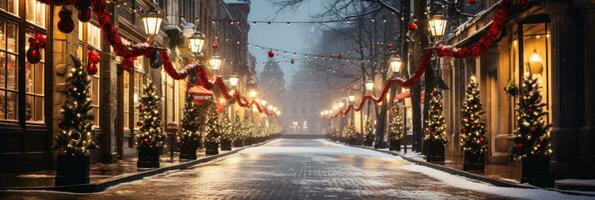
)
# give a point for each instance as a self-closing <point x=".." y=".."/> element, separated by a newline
<point x="295" y="37"/>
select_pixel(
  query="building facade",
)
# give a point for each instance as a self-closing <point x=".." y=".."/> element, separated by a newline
<point x="550" y="39"/>
<point x="31" y="96"/>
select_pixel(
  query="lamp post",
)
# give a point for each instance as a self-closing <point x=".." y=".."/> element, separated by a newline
<point x="215" y="63"/>
<point x="369" y="87"/>
<point x="351" y="101"/>
<point x="196" y="42"/>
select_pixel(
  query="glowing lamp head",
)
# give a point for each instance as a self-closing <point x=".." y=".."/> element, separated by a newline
<point x="437" y="25"/>
<point x="263" y="102"/>
<point x="369" y="85"/>
<point x="351" y="98"/>
<point x="152" y="21"/>
<point x="196" y="42"/>
<point x="233" y="81"/>
<point x="252" y="93"/>
<point x="215" y="63"/>
<point x="395" y="63"/>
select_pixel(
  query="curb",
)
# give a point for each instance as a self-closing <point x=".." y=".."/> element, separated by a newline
<point x="492" y="181"/>
<point x="104" y="184"/>
<point x="496" y="182"/>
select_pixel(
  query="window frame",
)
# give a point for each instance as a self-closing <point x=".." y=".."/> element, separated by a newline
<point x="86" y="46"/>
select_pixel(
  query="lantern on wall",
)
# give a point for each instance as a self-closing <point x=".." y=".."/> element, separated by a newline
<point x="152" y="21"/>
<point x="196" y="42"/>
<point x="437" y="25"/>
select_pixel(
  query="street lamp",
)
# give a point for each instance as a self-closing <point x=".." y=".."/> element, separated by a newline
<point x="351" y="98"/>
<point x="252" y="93"/>
<point x="233" y="81"/>
<point x="152" y="21"/>
<point x="395" y="63"/>
<point x="197" y="41"/>
<point x="437" y="25"/>
<point x="369" y="85"/>
<point x="215" y="63"/>
<point x="263" y="102"/>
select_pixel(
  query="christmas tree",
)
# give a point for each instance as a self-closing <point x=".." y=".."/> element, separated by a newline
<point x="150" y="134"/>
<point x="213" y="131"/>
<point x="368" y="134"/>
<point x="435" y="135"/>
<point x="395" y="132"/>
<point x="473" y="134"/>
<point x="237" y="133"/>
<point x="350" y="134"/>
<point x="226" y="131"/>
<point x="532" y="136"/>
<point x="190" y="133"/>
<point x="76" y="137"/>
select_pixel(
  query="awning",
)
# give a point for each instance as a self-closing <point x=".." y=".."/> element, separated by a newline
<point x="200" y="93"/>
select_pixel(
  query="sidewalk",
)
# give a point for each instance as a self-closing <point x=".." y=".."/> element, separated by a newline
<point x="106" y="175"/>
<point x="498" y="175"/>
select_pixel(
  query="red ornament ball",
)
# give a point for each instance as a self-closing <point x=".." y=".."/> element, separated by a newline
<point x="389" y="45"/>
<point x="71" y="88"/>
<point x="139" y="123"/>
<point x="519" y="145"/>
<point x="412" y="26"/>
<point x="271" y="53"/>
<point x="214" y="45"/>
<point x="292" y="61"/>
<point x="33" y="55"/>
<point x="92" y="69"/>
<point x="472" y="2"/>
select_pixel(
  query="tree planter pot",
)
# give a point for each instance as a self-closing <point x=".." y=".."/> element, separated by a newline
<point x="394" y="145"/>
<point x="212" y="148"/>
<point x="536" y="171"/>
<point x="225" y="145"/>
<point x="72" y="170"/>
<point x="148" y="157"/>
<point x="188" y="151"/>
<point x="435" y="152"/>
<point x="473" y="162"/>
<point x="368" y="141"/>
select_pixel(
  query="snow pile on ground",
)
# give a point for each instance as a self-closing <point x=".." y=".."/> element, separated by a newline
<point x="326" y="148"/>
<point x="468" y="184"/>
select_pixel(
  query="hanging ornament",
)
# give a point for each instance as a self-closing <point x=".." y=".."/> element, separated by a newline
<point x="156" y="61"/>
<point x="292" y="61"/>
<point x="85" y="15"/>
<point x="472" y="2"/>
<point x="92" y="60"/>
<point x="82" y="4"/>
<point x="271" y="54"/>
<point x="412" y="26"/>
<point x="389" y="45"/>
<point x="65" y="25"/>
<point x="214" y="45"/>
<point x="33" y="55"/>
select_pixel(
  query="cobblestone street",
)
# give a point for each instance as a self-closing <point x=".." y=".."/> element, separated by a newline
<point x="284" y="169"/>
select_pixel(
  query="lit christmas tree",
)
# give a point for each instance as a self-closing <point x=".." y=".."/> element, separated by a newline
<point x="434" y="133"/>
<point x="76" y="137"/>
<point x="191" y="128"/>
<point x="150" y="137"/>
<point x="213" y="131"/>
<point x="473" y="134"/>
<point x="350" y="134"/>
<point x="226" y="131"/>
<point x="532" y="136"/>
<point x="395" y="132"/>
<point x="369" y="134"/>
<point x="238" y="132"/>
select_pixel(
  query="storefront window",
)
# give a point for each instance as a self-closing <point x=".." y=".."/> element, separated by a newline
<point x="535" y="58"/>
<point x="126" y="106"/>
<point x="10" y="6"/>
<point x="90" y="40"/>
<point x="34" y="89"/>
<point x="8" y="70"/>
<point x="139" y="75"/>
<point x="35" y="12"/>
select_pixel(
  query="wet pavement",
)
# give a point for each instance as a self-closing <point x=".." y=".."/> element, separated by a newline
<point x="284" y="169"/>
